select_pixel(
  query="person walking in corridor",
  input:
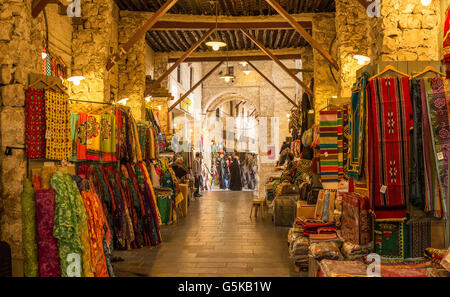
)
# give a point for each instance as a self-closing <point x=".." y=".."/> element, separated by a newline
<point x="197" y="172"/>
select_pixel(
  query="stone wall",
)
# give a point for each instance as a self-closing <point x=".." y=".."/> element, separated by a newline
<point x="93" y="42"/>
<point x="352" y="25"/>
<point x="18" y="30"/>
<point x="132" y="70"/>
<point x="406" y="31"/>
<point x="324" y="86"/>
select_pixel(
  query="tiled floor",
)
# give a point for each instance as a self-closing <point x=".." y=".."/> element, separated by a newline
<point x="217" y="238"/>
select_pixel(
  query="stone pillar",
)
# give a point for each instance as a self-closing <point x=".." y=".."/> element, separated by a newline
<point x="92" y="45"/>
<point x="132" y="67"/>
<point x="308" y="64"/>
<point x="351" y="27"/>
<point x="406" y="31"/>
<point x="324" y="85"/>
<point x="20" y="53"/>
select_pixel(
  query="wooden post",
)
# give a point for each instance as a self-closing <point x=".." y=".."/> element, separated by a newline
<point x="273" y="85"/>
<point x="195" y="86"/>
<point x="276" y="60"/>
<point x="299" y="28"/>
<point x="141" y="32"/>
<point x="180" y="60"/>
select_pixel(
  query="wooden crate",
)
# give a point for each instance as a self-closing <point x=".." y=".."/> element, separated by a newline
<point x="305" y="210"/>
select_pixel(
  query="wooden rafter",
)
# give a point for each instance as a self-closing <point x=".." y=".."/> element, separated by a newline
<point x="140" y="32"/>
<point x="277" y="61"/>
<point x="299" y="28"/>
<point x="180" y="60"/>
<point x="38" y="6"/>
<point x="272" y="83"/>
<point x="195" y="86"/>
<point x="190" y="25"/>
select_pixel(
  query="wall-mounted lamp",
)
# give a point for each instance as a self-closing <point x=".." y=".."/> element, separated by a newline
<point x="361" y="59"/>
<point x="76" y="79"/>
<point x="123" y="101"/>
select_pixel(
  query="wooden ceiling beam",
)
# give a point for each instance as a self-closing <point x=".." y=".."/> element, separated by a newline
<point x="260" y="57"/>
<point x="157" y="82"/>
<point x="272" y="84"/>
<point x="38" y="6"/>
<point x="303" y="33"/>
<point x="277" y="61"/>
<point x="140" y="33"/>
<point x="195" y="86"/>
<point x="191" y="25"/>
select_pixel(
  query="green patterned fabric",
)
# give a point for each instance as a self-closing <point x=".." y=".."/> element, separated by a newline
<point x="30" y="253"/>
<point x="392" y="239"/>
<point x="164" y="208"/>
<point x="70" y="218"/>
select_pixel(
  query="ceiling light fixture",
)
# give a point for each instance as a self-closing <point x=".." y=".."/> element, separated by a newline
<point x="247" y="71"/>
<point x="243" y="63"/>
<point x="76" y="79"/>
<point x="425" y="2"/>
<point x="361" y="59"/>
<point x="216" y="44"/>
<point x="148" y="98"/>
<point x="227" y="76"/>
<point x="44" y="55"/>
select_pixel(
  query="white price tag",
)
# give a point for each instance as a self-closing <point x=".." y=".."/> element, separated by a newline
<point x="383" y="189"/>
<point x="440" y="156"/>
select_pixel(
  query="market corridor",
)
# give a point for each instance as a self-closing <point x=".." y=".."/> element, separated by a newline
<point x="217" y="238"/>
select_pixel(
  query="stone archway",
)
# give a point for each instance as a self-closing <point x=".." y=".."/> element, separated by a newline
<point x="215" y="101"/>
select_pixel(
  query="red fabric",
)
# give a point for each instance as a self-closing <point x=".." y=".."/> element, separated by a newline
<point x="35" y="124"/>
<point x="47" y="245"/>
<point x="390" y="121"/>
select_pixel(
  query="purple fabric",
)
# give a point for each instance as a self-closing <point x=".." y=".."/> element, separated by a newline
<point x="48" y="257"/>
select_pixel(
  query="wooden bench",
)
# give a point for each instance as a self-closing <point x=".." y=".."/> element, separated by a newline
<point x="255" y="204"/>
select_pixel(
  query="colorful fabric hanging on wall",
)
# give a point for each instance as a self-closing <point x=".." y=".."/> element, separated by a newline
<point x="93" y="137"/>
<point x="47" y="244"/>
<point x="58" y="144"/>
<point x="108" y="137"/>
<point x="446" y="43"/>
<point x="391" y="239"/>
<point x="82" y="136"/>
<point x="73" y="135"/>
<point x="417" y="168"/>
<point x="357" y="122"/>
<point x="35" y="124"/>
<point x="329" y="160"/>
<point x="438" y="112"/>
<point x="390" y="121"/>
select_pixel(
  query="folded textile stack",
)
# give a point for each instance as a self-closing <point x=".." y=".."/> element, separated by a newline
<point x="436" y="256"/>
<point x="446" y="260"/>
<point x="323" y="237"/>
<point x="353" y="251"/>
<point x="294" y="233"/>
<point x="299" y="251"/>
<point x="437" y="272"/>
<point x="311" y="226"/>
<point x="332" y="268"/>
<point x="325" y="250"/>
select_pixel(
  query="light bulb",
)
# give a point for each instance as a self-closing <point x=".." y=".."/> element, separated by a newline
<point x="148" y="98"/>
<point x="44" y="55"/>
<point x="425" y="2"/>
<point x="227" y="79"/>
<point x="215" y="47"/>
<point x="76" y="82"/>
<point x="76" y="79"/>
<point x="247" y="72"/>
<point x="159" y="107"/>
<point x="361" y="59"/>
<point x="123" y="101"/>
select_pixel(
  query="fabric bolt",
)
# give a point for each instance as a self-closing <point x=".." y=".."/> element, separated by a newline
<point x="390" y="121"/>
<point x="73" y="135"/>
<point x="35" y="124"/>
<point x="417" y="167"/>
<point x="47" y="244"/>
<point x="58" y="143"/>
<point x="437" y="99"/>
<point x="357" y="121"/>
<point x="70" y="225"/>
<point x="30" y="251"/>
<point x="108" y="137"/>
<point x="329" y="159"/>
<point x="326" y="207"/>
<point x="93" y="137"/>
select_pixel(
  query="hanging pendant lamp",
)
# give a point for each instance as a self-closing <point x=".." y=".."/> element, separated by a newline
<point x="227" y="76"/>
<point x="216" y="44"/>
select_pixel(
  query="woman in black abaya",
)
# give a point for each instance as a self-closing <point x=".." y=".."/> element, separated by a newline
<point x="235" y="172"/>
